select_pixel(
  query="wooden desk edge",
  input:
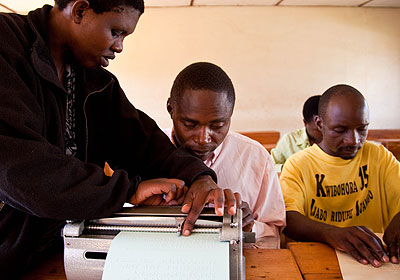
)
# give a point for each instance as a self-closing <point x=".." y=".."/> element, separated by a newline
<point x="315" y="260"/>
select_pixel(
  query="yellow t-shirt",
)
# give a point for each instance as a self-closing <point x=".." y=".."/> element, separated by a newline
<point x="363" y="191"/>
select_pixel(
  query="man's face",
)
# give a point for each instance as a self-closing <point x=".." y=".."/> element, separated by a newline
<point x="97" y="37"/>
<point x="344" y="126"/>
<point x="201" y="121"/>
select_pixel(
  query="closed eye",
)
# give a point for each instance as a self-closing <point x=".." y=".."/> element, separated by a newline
<point x="217" y="126"/>
<point x="116" y="33"/>
<point x="339" y="130"/>
<point x="189" y="125"/>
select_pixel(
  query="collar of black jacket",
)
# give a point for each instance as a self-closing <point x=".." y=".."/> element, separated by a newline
<point x="40" y="55"/>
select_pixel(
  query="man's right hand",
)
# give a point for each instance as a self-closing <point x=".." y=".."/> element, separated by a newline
<point x="204" y="190"/>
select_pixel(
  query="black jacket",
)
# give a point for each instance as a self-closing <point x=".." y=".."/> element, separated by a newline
<point x="38" y="182"/>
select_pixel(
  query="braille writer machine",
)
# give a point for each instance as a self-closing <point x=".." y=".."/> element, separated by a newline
<point x="88" y="244"/>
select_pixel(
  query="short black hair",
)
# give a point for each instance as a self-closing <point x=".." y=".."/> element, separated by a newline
<point x="337" y="90"/>
<point x="310" y="108"/>
<point x="101" y="6"/>
<point x="202" y="75"/>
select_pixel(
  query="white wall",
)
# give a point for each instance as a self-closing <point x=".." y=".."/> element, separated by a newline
<point x="276" y="57"/>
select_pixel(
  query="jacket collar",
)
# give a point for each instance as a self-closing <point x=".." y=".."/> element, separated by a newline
<point x="40" y="55"/>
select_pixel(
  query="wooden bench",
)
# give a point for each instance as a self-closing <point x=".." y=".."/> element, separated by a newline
<point x="390" y="138"/>
<point x="383" y="134"/>
<point x="267" y="138"/>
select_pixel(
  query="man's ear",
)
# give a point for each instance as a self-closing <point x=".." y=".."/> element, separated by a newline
<point x="318" y="122"/>
<point x="79" y="9"/>
<point x="170" y="108"/>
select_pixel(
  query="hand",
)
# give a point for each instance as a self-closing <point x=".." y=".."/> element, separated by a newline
<point x="160" y="191"/>
<point x="247" y="217"/>
<point x="358" y="241"/>
<point x="392" y="238"/>
<point x="202" y="191"/>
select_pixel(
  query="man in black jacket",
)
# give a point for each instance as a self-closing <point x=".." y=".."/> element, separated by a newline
<point x="62" y="116"/>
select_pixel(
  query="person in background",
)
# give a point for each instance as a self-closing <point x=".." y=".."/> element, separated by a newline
<point x="299" y="139"/>
<point x="201" y="106"/>
<point x="62" y="116"/>
<point x="344" y="189"/>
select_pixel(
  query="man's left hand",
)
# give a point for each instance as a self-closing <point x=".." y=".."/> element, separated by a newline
<point x="392" y="239"/>
<point x="247" y="217"/>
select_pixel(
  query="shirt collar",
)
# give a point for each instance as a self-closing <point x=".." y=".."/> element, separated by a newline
<point x="211" y="160"/>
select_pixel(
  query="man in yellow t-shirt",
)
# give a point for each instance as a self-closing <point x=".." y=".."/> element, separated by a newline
<point x="342" y="190"/>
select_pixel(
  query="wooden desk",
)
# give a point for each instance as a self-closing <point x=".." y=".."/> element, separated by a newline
<point x="316" y="261"/>
<point x="52" y="269"/>
<point x="268" y="264"/>
<point x="271" y="264"/>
